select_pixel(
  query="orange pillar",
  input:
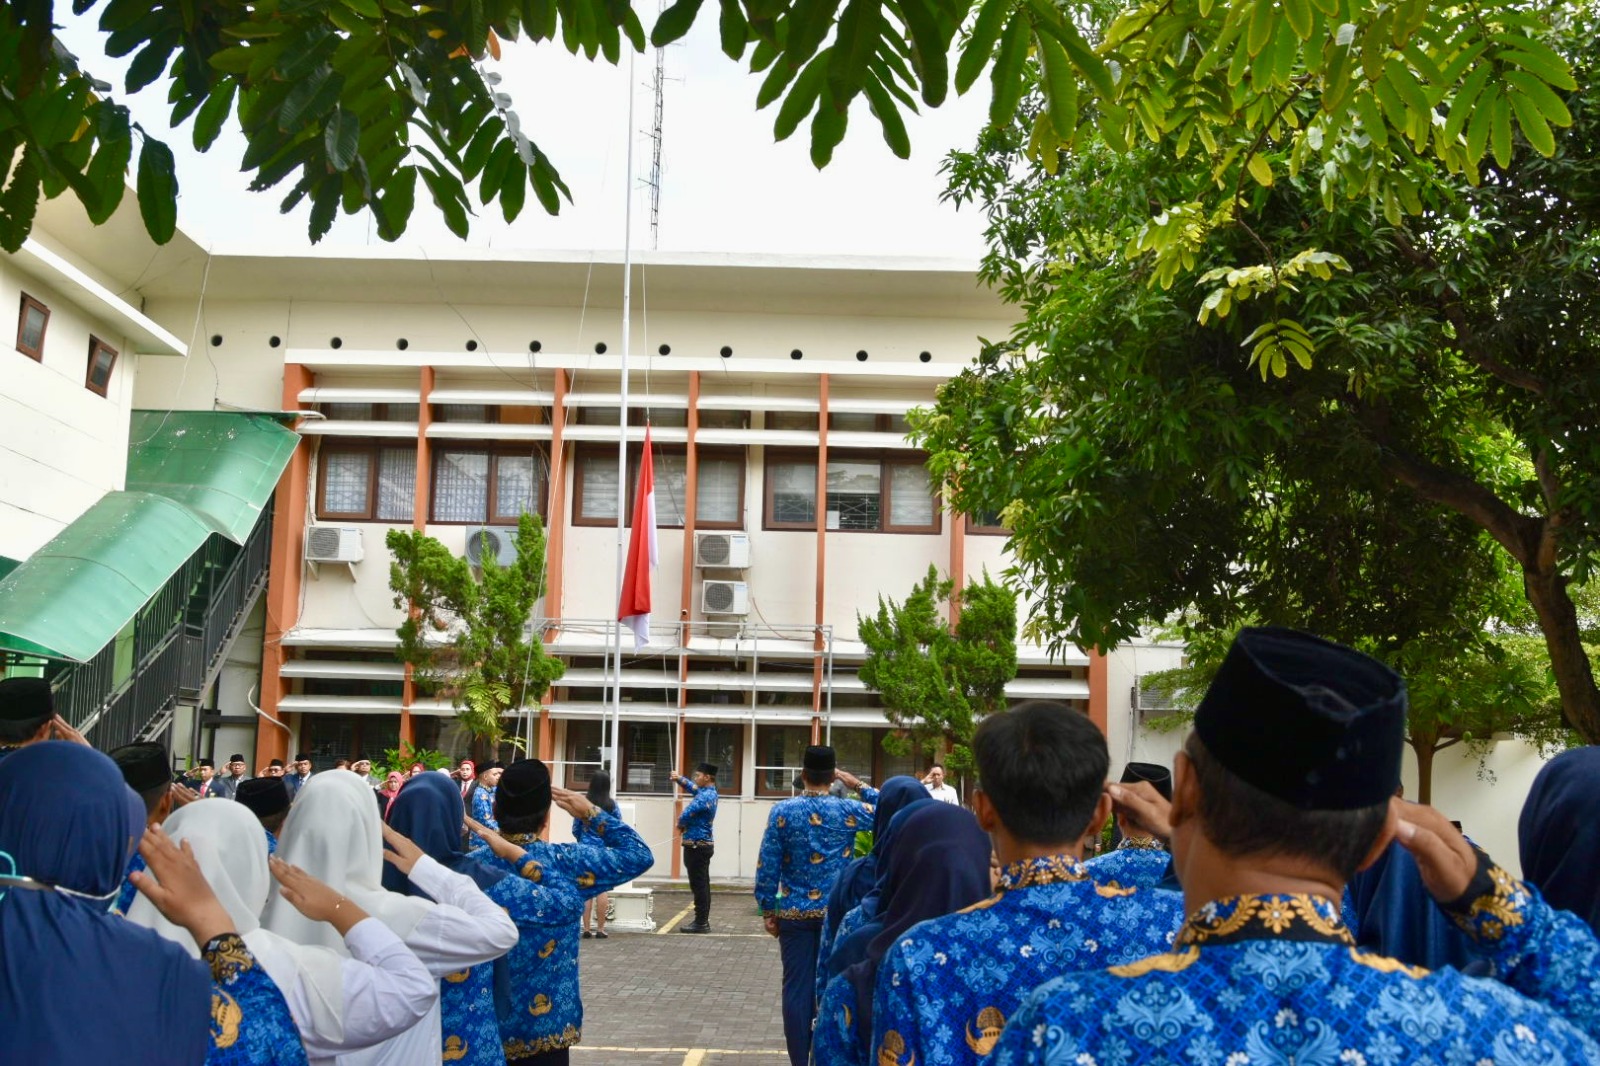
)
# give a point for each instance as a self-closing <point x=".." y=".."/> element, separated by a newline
<point x="285" y="573"/>
<point x="422" y="503"/>
<point x="1099" y="692"/>
<point x="822" y="556"/>
<point x="556" y="523"/>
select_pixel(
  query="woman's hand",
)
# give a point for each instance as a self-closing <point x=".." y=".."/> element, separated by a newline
<point x="314" y="899"/>
<point x="178" y="889"/>
<point x="404" y="853"/>
<point x="574" y="803"/>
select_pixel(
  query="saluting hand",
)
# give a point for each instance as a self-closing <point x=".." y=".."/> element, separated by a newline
<point x="1141" y="804"/>
<point x="404" y="853"/>
<point x="178" y="889"/>
<point x="1445" y="860"/>
<point x="62" y="731"/>
<point x="182" y="795"/>
<point x="313" y="898"/>
<point x="574" y="803"/>
<point x="498" y="844"/>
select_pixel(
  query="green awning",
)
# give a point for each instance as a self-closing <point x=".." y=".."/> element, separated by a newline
<point x="223" y="465"/>
<point x="190" y="473"/>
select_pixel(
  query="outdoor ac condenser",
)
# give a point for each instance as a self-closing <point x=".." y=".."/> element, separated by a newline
<point x="725" y="597"/>
<point x="498" y="541"/>
<point x="730" y="550"/>
<point x="334" y="544"/>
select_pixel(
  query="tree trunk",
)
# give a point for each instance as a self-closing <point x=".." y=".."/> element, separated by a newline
<point x="1425" y="749"/>
<point x="1569" y="659"/>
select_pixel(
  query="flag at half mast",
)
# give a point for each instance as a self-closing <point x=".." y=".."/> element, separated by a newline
<point x="634" y="611"/>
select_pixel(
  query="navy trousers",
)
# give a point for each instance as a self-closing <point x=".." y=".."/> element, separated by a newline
<point x="798" y="940"/>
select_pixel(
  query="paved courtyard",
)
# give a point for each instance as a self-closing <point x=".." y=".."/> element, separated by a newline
<point x="668" y="999"/>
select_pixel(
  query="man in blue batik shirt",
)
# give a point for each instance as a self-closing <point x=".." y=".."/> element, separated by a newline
<point x="1139" y="859"/>
<point x="809" y="839"/>
<point x="946" y="988"/>
<point x="1285" y="789"/>
<point x="695" y="823"/>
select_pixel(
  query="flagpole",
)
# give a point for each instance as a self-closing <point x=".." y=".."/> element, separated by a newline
<point x="622" y="441"/>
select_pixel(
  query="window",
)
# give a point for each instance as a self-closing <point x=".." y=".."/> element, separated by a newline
<point x="486" y="487"/>
<point x="102" y="359"/>
<point x="851" y="422"/>
<point x="368" y="482"/>
<point x="583" y="752"/>
<point x="716" y="418"/>
<point x="646" y="758"/>
<point x="864" y="494"/>
<point x="720" y="744"/>
<point x="465" y="412"/>
<point x="660" y="417"/>
<point x="780" y="751"/>
<point x="326" y="737"/>
<point x="802" y="420"/>
<point x="32" y="319"/>
<point x="718" y="505"/>
<point x="370" y="412"/>
<point x="987" y="523"/>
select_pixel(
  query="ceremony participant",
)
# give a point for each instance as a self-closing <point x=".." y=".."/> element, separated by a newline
<point x="1139" y="860"/>
<point x="65" y="961"/>
<point x="940" y="866"/>
<point x="857" y="878"/>
<point x="695" y="824"/>
<point x="206" y="775"/>
<point x="808" y="841"/>
<point x="465" y="774"/>
<point x="337" y="1003"/>
<point x="268" y="799"/>
<point x="936" y="787"/>
<point x="594" y="908"/>
<point x="275" y="768"/>
<point x="302" y="771"/>
<point x="428" y="811"/>
<point x="1284" y="789"/>
<point x="546" y="1009"/>
<point x="227" y="786"/>
<point x="145" y="769"/>
<point x="362" y="768"/>
<point x="334" y="834"/>
<point x="480" y="800"/>
<point x="391" y="789"/>
<point x="946" y="987"/>
<point x="27" y="715"/>
<point x="1558" y="834"/>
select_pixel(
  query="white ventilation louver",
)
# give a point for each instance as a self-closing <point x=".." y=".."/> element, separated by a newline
<point x="497" y="541"/>
<point x="729" y="550"/>
<point x="334" y="544"/>
<point x="725" y="597"/>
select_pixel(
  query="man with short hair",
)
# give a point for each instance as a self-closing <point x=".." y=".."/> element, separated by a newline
<point x="946" y="987"/>
<point x="268" y="800"/>
<point x="809" y="839"/>
<point x="301" y="774"/>
<point x="1139" y="859"/>
<point x="546" y="1010"/>
<point x="274" y="769"/>
<point x="934" y="783"/>
<point x="227" y="785"/>
<point x="148" y="771"/>
<point x="362" y="768"/>
<point x="695" y="825"/>
<point x="1282" y="792"/>
<point x="27" y="715"/>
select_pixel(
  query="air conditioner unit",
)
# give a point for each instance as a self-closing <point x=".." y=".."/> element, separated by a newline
<point x="334" y="544"/>
<point x="498" y="541"/>
<point x="731" y="550"/>
<point x="725" y="597"/>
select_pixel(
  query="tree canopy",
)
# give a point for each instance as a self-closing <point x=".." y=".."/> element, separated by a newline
<point x="354" y="101"/>
<point x="1438" y="433"/>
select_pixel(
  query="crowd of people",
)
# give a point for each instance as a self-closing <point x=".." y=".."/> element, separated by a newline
<point x="315" y="922"/>
<point x="1268" y="900"/>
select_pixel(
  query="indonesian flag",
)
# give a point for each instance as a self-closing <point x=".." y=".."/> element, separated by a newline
<point x="642" y="553"/>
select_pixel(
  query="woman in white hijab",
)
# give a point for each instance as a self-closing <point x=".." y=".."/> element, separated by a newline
<point x="339" y="1002"/>
<point x="334" y="834"/>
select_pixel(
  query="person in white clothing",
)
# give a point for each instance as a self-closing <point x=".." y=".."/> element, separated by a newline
<point x="334" y="834"/>
<point x="936" y="787"/>
<point x="338" y="1002"/>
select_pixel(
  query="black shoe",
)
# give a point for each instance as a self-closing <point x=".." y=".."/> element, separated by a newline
<point x="695" y="927"/>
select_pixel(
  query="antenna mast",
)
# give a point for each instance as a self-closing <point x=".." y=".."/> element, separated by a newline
<point x="658" y="83"/>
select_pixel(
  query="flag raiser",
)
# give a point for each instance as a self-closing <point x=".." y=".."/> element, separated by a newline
<point x="634" y="610"/>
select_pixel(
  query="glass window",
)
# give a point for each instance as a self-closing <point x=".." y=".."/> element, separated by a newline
<point x="646" y="757"/>
<point x="661" y="417"/>
<point x="986" y="521"/>
<point x="461" y="412"/>
<point x="348" y="412"/>
<point x="596" y="498"/>
<point x="349" y="472"/>
<point x="853" y="749"/>
<point x="398" y="412"/>
<point x="518" y="486"/>
<point x="911" y="499"/>
<point x="397" y="484"/>
<point x="855" y="495"/>
<point x="792" y="493"/>
<point x="583" y="752"/>
<point x="721" y="491"/>
<point x="102" y="358"/>
<point x="780" y="752"/>
<point x="719" y="419"/>
<point x="344" y="482"/>
<point x="803" y="420"/>
<point x="32" y="318"/>
<point x="460" y="486"/>
<point x="850" y="422"/>
<point x="721" y="479"/>
<point x="898" y="424"/>
<point x="720" y="744"/>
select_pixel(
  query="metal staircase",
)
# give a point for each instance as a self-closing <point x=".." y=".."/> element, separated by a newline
<point x="179" y="643"/>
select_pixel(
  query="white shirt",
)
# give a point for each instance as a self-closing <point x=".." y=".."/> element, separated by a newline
<point x="465" y="929"/>
<point x="386" y="991"/>
<point x="944" y="794"/>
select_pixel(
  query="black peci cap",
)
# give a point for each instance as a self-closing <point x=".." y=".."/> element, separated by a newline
<point x="265" y="796"/>
<point x="1155" y="773"/>
<point x="143" y="766"/>
<point x="26" y="699"/>
<point x="819" y="760"/>
<point x="524" y="789"/>
<point x="707" y="768"/>
<point x="236" y="757"/>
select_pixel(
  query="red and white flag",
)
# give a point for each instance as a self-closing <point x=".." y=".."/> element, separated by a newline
<point x="642" y="553"/>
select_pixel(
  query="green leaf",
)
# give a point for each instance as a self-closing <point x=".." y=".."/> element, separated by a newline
<point x="1261" y="170"/>
<point x="801" y="98"/>
<point x="150" y="63"/>
<point x="342" y="137"/>
<point x="324" y="207"/>
<point x="827" y="130"/>
<point x="213" y="113"/>
<point x="733" y="29"/>
<point x="674" y="22"/>
<point x="1551" y="106"/>
<point x="1091" y="66"/>
<point x="1006" y="76"/>
<point x="393" y="208"/>
<point x="1537" y="58"/>
<point x="301" y="94"/>
<point x="930" y="47"/>
<point x="365" y="8"/>
<point x="157" y="185"/>
<point x="1060" y="85"/>
<point x="975" y="54"/>
<point x="1298" y="12"/>
<point x="854" y="42"/>
<point x="449" y="197"/>
<point x="1461" y="106"/>
<point x="1261" y="26"/>
<point x="894" y="128"/>
<point x="20" y="201"/>
<point x="1534" y="127"/>
<point x="513" y="192"/>
<point x="1482" y="119"/>
<point x="1500" y="132"/>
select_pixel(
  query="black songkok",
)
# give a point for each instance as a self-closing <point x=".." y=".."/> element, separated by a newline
<point x="236" y="757"/>
<point x="1314" y="723"/>
<point x="275" y="762"/>
<point x="143" y="766"/>
<point x="26" y="699"/>
<point x="265" y="796"/>
<point x="819" y="761"/>
<point x="524" y="790"/>
<point x="707" y="768"/>
<point x="302" y="757"/>
<point x="1153" y="772"/>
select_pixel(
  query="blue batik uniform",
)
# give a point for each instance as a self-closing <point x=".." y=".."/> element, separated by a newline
<point x="947" y="987"/>
<point x="127" y="893"/>
<point x="1131" y="865"/>
<point x="696" y="818"/>
<point x="546" y="1013"/>
<point x="483" y="812"/>
<point x="1279" y="979"/>
<point x="808" y="841"/>
<point x="250" y="1022"/>
<point x="852" y="920"/>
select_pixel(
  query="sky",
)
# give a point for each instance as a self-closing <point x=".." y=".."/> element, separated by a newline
<point x="726" y="185"/>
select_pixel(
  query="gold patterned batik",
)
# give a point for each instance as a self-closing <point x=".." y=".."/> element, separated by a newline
<point x="524" y="1049"/>
<point x="1175" y="962"/>
<point x="540" y="1005"/>
<point x="991" y="1022"/>
<point x="225" y="1019"/>
<point x="455" y="1049"/>
<point x="228" y="957"/>
<point x="458" y="977"/>
<point x="893" y="1046"/>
